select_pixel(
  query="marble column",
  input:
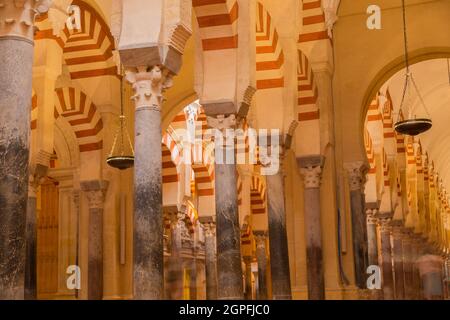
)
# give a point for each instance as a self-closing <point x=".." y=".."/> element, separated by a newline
<point x="16" y="56"/>
<point x="95" y="192"/>
<point x="408" y="265"/>
<point x="175" y="269"/>
<point x="210" y="257"/>
<point x="430" y="268"/>
<point x="278" y="245"/>
<point x="311" y="170"/>
<point x="261" y="257"/>
<point x="248" y="277"/>
<point x="372" y="241"/>
<point x="229" y="268"/>
<point x="40" y="171"/>
<point x="148" y="216"/>
<point x="386" y="258"/>
<point x="447" y="277"/>
<point x="399" y="283"/>
<point x="356" y="174"/>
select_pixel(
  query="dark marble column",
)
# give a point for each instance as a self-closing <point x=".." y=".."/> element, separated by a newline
<point x="386" y="258"/>
<point x="95" y="192"/>
<point x="408" y="265"/>
<point x="210" y="257"/>
<point x="16" y="56"/>
<point x="357" y="178"/>
<point x="175" y="269"/>
<point x="416" y="254"/>
<point x="148" y="215"/>
<point x="261" y="257"/>
<point x="229" y="268"/>
<point x="430" y="268"/>
<point x="278" y="244"/>
<point x="311" y="170"/>
<point x="248" y="277"/>
<point x="399" y="283"/>
<point x="39" y="172"/>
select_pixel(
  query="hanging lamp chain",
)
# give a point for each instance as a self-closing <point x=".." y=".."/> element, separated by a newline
<point x="409" y="79"/>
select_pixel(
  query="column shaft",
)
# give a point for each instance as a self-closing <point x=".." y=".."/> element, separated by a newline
<point x="16" y="56"/>
<point x="210" y="266"/>
<point x="408" y="267"/>
<point x="261" y="257"/>
<point x="248" y="278"/>
<point x="278" y="244"/>
<point x="398" y="265"/>
<point x="31" y="250"/>
<point x="430" y="268"/>
<point x="229" y="270"/>
<point x="386" y="256"/>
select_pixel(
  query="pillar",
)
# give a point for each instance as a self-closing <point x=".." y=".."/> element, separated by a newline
<point x="408" y="264"/>
<point x="248" y="277"/>
<point x="210" y="257"/>
<point x="175" y="272"/>
<point x="430" y="268"/>
<point x="386" y="259"/>
<point x="148" y="216"/>
<point x="95" y="192"/>
<point x="229" y="268"/>
<point x="40" y="171"/>
<point x="278" y="244"/>
<point x="399" y="283"/>
<point x="356" y="174"/>
<point x="311" y="170"/>
<point x="372" y="241"/>
<point x="261" y="257"/>
<point x="16" y="56"/>
<point x="416" y="254"/>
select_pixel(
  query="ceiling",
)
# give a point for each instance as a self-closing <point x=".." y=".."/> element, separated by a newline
<point x="432" y="79"/>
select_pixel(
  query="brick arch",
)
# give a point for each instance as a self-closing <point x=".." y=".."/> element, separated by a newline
<point x="218" y="41"/>
<point x="87" y="52"/>
<point x="80" y="112"/>
<point x="269" y="54"/>
<point x="313" y="22"/>
<point x="258" y="196"/>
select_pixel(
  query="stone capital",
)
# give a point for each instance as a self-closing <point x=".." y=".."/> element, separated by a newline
<point x="357" y="172"/>
<point x="222" y="122"/>
<point x="148" y="85"/>
<point x="311" y="170"/>
<point x="17" y="17"/>
<point x="260" y="238"/>
<point x="430" y="264"/>
<point x="95" y="192"/>
<point x="208" y="225"/>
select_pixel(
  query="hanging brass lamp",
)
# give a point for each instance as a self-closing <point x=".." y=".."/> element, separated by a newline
<point x="122" y="153"/>
<point x="412" y="125"/>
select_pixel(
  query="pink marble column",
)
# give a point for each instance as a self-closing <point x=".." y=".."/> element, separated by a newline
<point x="430" y="268"/>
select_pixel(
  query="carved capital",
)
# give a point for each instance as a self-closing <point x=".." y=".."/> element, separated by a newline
<point x="222" y="122"/>
<point x="260" y="238"/>
<point x="311" y="170"/>
<point x="17" y="17"/>
<point x="95" y="192"/>
<point x="371" y="216"/>
<point x="149" y="85"/>
<point x="357" y="172"/>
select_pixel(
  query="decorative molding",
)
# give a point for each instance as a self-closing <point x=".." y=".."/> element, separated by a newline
<point x="260" y="238"/>
<point x="311" y="170"/>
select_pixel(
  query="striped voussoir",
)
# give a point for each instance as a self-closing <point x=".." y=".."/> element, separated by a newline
<point x="307" y="91"/>
<point x="313" y="26"/>
<point x="258" y="195"/>
<point x="82" y="115"/>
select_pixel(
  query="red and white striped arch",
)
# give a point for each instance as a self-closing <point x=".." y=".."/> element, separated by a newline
<point x="34" y="112"/>
<point x="81" y="113"/>
<point x="217" y="23"/>
<point x="269" y="54"/>
<point x="218" y="39"/>
<point x="87" y="52"/>
<point x="313" y="22"/>
<point x="258" y="196"/>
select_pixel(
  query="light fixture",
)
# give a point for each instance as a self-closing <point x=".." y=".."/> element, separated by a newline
<point x="122" y="154"/>
<point x="412" y="126"/>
